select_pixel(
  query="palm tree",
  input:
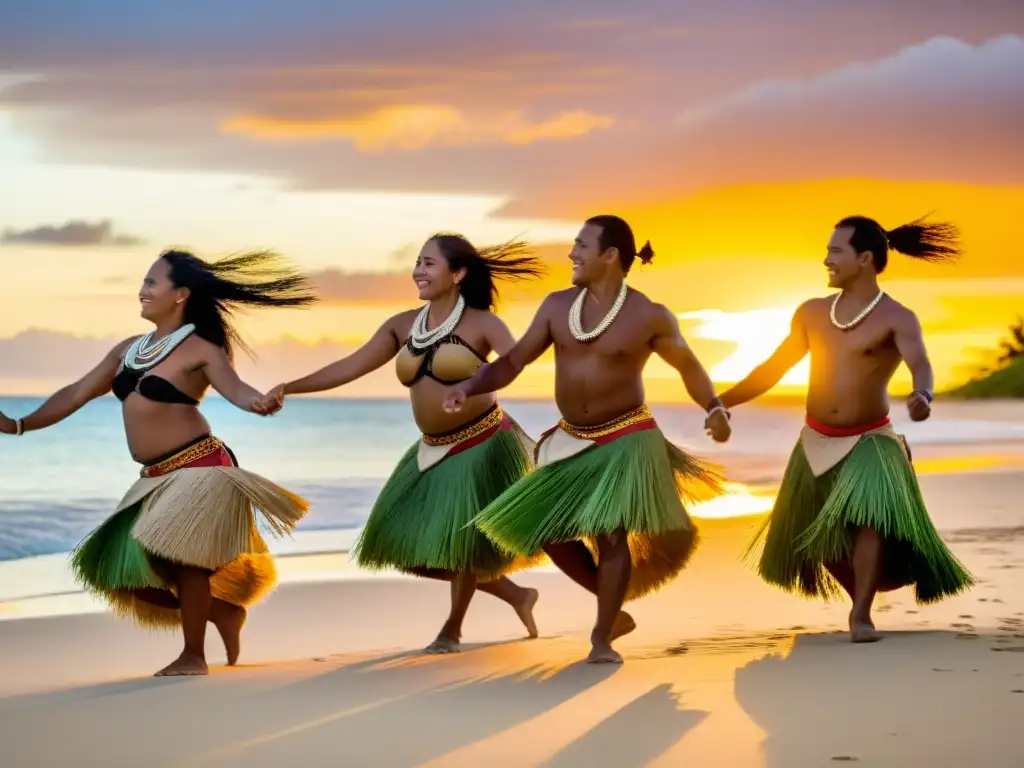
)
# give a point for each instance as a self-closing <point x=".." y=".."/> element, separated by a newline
<point x="1013" y="347"/>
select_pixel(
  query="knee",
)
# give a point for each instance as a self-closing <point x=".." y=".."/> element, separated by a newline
<point x="614" y="544"/>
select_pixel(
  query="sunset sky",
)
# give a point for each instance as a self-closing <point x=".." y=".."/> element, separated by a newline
<point x="731" y="134"/>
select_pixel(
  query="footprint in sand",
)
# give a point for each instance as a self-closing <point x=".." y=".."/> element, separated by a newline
<point x="911" y="611"/>
<point x="938" y="669"/>
<point x="961" y="626"/>
<point x="965" y="616"/>
<point x="1017" y="690"/>
<point x="846" y="759"/>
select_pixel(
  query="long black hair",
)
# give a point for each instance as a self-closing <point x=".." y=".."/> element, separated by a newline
<point x="217" y="289"/>
<point x="616" y="233"/>
<point x="935" y="242"/>
<point x="484" y="267"/>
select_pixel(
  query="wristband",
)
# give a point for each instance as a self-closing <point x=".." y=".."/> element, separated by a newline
<point x="717" y="409"/>
<point x="19" y="427"/>
<point x="925" y="394"/>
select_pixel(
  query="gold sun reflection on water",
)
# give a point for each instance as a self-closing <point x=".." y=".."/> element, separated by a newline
<point x="736" y="501"/>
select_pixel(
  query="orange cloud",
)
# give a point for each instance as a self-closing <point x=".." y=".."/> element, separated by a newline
<point x="413" y="127"/>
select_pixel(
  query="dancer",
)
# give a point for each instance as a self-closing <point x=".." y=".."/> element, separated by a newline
<point x="604" y="503"/>
<point x="182" y="547"/>
<point x="419" y="523"/>
<point x="849" y="510"/>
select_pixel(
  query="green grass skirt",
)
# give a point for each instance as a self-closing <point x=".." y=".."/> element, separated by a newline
<point x="815" y="521"/>
<point x="633" y="483"/>
<point x="111" y="563"/>
<point x="421" y="519"/>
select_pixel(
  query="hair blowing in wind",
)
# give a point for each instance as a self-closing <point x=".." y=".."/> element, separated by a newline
<point x="217" y="289"/>
<point x="935" y="242"/>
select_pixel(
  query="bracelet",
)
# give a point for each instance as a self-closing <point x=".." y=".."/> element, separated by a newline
<point x="717" y="409"/>
<point x="925" y="394"/>
<point x="716" y="402"/>
<point x="19" y="427"/>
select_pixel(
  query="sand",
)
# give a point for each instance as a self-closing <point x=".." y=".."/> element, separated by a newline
<point x="722" y="671"/>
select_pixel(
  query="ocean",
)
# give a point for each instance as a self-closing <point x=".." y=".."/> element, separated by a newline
<point x="57" y="484"/>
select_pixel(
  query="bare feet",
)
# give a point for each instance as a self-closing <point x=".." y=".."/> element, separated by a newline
<point x="863" y="631"/>
<point x="524" y="610"/>
<point x="442" y="645"/>
<point x="623" y="625"/>
<point x="603" y="653"/>
<point x="187" y="664"/>
<point x="229" y="622"/>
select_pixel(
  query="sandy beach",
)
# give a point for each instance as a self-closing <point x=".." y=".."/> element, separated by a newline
<point x="722" y="670"/>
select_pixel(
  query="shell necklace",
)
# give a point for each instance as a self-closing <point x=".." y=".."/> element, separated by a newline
<point x="859" y="318"/>
<point x="576" y="316"/>
<point x="144" y="353"/>
<point x="421" y="338"/>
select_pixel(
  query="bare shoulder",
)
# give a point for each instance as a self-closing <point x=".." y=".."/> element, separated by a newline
<point x="566" y="296"/>
<point x="119" y="350"/>
<point x="484" y="318"/>
<point x="200" y="347"/>
<point x="901" y="315"/>
<point x="815" y="306"/>
<point x="401" y="324"/>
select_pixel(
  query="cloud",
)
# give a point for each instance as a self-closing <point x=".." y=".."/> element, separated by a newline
<point x="73" y="233"/>
<point x="942" y="110"/>
<point x="343" y="286"/>
<point x="544" y="102"/>
<point x="418" y="126"/>
<point x="337" y="285"/>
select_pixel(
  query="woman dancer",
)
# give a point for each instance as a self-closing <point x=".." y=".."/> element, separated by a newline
<point x="463" y="461"/>
<point x="182" y="547"/>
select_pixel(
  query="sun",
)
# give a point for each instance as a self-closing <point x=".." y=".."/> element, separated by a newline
<point x="757" y="333"/>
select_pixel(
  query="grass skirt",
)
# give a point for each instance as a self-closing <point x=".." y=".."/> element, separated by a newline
<point x="421" y="518"/>
<point x="634" y="483"/>
<point x="197" y="516"/>
<point x="815" y="521"/>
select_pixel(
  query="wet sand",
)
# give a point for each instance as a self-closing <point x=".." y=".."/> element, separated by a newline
<point x="722" y="670"/>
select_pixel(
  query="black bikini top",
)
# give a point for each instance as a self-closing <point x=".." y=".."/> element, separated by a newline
<point x="150" y="387"/>
<point x="448" y="361"/>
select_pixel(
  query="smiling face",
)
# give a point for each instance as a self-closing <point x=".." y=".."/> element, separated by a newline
<point x="432" y="274"/>
<point x="158" y="296"/>
<point x="843" y="263"/>
<point x="589" y="263"/>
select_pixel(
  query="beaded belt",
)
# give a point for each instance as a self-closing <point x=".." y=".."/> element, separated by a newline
<point x="636" y="416"/>
<point x="206" y="447"/>
<point x="490" y="420"/>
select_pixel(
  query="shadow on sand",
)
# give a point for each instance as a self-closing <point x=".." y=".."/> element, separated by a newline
<point x="634" y="736"/>
<point x="916" y="698"/>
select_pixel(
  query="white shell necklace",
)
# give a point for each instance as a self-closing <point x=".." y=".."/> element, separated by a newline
<point x="144" y="353"/>
<point x="421" y="338"/>
<point x="857" y="320"/>
<point x="576" y="316"/>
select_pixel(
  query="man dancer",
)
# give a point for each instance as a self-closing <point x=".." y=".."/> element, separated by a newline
<point x="850" y="505"/>
<point x="604" y="502"/>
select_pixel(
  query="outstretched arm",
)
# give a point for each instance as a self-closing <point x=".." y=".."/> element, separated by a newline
<point x="224" y="378"/>
<point x="770" y="372"/>
<point x="910" y="344"/>
<point x="381" y="347"/>
<point x="503" y="371"/>
<point x="497" y="335"/>
<point x="670" y="346"/>
<point x="66" y="401"/>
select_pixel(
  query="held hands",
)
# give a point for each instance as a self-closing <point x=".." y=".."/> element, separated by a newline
<point x="717" y="425"/>
<point x="7" y="426"/>
<point x="455" y="399"/>
<point x="919" y="406"/>
<point x="270" y="403"/>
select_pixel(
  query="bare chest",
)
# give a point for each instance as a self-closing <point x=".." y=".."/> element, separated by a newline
<point x="872" y="339"/>
<point x="621" y="342"/>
